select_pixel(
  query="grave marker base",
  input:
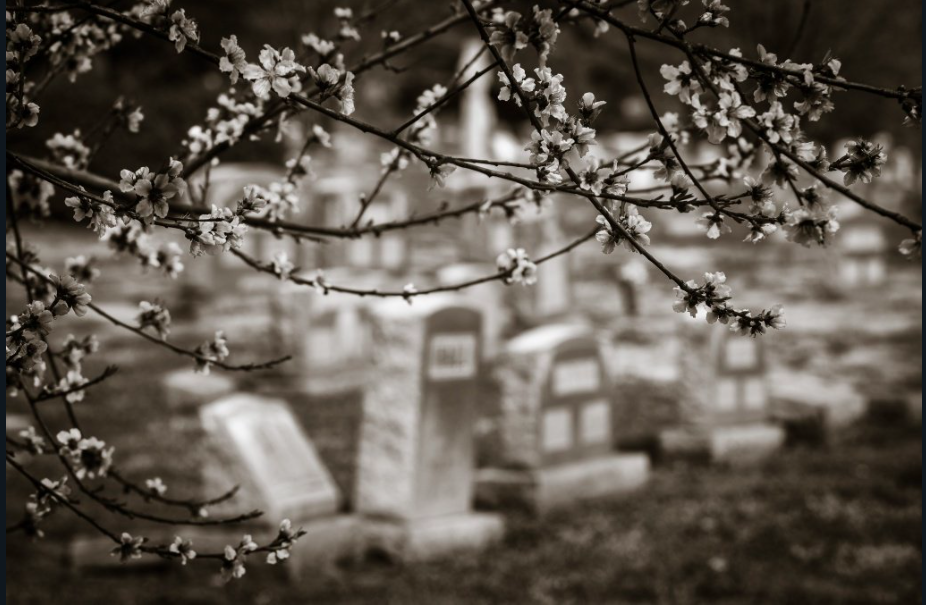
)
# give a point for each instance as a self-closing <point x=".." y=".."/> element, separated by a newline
<point x="540" y="490"/>
<point x="433" y="537"/>
<point x="735" y="445"/>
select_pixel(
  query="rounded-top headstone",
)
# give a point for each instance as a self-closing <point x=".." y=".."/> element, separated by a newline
<point x="555" y="405"/>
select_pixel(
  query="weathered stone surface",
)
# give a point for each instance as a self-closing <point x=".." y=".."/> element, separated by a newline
<point x="796" y="394"/>
<point x="543" y="489"/>
<point x="746" y="444"/>
<point x="434" y="537"/>
<point x="736" y="445"/>
<point x="416" y="447"/>
<point x="259" y="444"/>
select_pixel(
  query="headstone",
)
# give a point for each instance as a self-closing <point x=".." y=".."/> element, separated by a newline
<point x="540" y="234"/>
<point x="327" y="335"/>
<point x="726" y="411"/>
<point x="477" y="107"/>
<point x="863" y="251"/>
<point x="555" y="434"/>
<point x="488" y="298"/>
<point x="270" y="456"/>
<point x="259" y="442"/>
<point x="335" y="201"/>
<point x="416" y="442"/>
<point x="799" y="395"/>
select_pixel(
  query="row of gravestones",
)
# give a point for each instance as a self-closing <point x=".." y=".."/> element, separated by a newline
<point x="413" y="483"/>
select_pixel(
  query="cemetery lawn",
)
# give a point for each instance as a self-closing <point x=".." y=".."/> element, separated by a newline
<point x="834" y="524"/>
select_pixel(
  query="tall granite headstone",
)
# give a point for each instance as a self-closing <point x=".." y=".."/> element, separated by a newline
<point x="416" y="441"/>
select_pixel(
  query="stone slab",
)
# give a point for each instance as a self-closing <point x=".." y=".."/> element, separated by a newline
<point x="745" y="444"/>
<point x="541" y="490"/>
<point x="435" y="537"/>
<point x="735" y="445"/>
<point x="795" y="395"/>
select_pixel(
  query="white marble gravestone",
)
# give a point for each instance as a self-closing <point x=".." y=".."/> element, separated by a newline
<point x="726" y="410"/>
<point x="416" y="454"/>
<point x="280" y="472"/>
<point x="272" y="458"/>
<point x="256" y="443"/>
<point x="555" y="423"/>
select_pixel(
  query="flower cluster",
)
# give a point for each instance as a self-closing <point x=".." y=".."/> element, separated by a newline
<point x="323" y="48"/>
<point x="130" y="239"/>
<point x="33" y="442"/>
<point x="225" y="124"/>
<point x="347" y="31"/>
<point x="561" y="133"/>
<point x="285" y="540"/>
<point x="713" y="295"/>
<point x="512" y="32"/>
<point x="812" y="224"/>
<point x="233" y="561"/>
<point x="278" y="70"/>
<point x="183" y="549"/>
<point x="154" y="190"/>
<point x="69" y="150"/>
<point x="913" y="247"/>
<point x="281" y="266"/>
<point x="219" y="231"/>
<point x="30" y="194"/>
<point x="89" y="456"/>
<point x="862" y="162"/>
<point x="129" y="547"/>
<point x="102" y="216"/>
<point x="154" y="316"/>
<point x="215" y="350"/>
<point x="182" y="30"/>
<point x="278" y="199"/>
<point x="25" y="344"/>
<point x="42" y="503"/>
<point x="337" y="84"/>
<point x="22" y="44"/>
<point x="634" y="225"/>
<point x="74" y="43"/>
<point x="598" y="178"/>
<point x="518" y="266"/>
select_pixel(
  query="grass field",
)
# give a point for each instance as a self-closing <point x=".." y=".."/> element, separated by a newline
<point x="836" y="524"/>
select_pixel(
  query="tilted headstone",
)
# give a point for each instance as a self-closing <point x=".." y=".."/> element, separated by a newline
<point x="416" y="440"/>
<point x="266" y="451"/>
<point x="554" y="428"/>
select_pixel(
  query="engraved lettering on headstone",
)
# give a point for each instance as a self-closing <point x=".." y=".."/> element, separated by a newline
<point x="452" y="357"/>
<point x="575" y="376"/>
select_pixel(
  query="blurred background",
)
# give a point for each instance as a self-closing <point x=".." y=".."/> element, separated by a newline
<point x="832" y="518"/>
